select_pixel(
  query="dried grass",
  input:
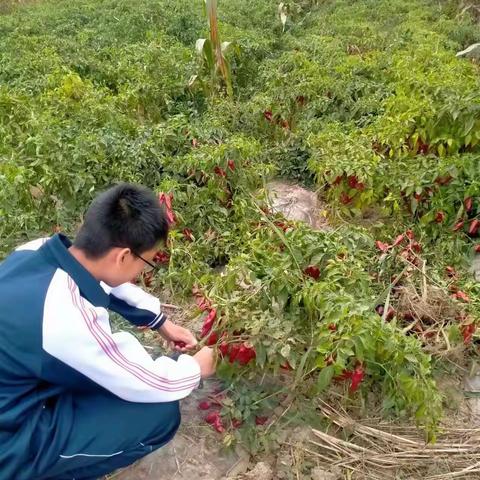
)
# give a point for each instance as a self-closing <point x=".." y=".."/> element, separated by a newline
<point x="427" y="311"/>
<point x="381" y="450"/>
<point x="431" y="307"/>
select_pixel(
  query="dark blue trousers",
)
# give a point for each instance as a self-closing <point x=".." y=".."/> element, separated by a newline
<point x="107" y="433"/>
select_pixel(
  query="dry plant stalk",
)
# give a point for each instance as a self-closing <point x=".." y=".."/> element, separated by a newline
<point x="428" y="313"/>
<point x="383" y="450"/>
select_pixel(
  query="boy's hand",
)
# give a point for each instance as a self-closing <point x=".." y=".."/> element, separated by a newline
<point x="178" y="337"/>
<point x="206" y="359"/>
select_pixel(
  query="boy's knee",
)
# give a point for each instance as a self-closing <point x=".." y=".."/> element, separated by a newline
<point x="167" y="418"/>
<point x="172" y="410"/>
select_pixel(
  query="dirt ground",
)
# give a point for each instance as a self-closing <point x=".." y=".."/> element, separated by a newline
<point x="195" y="453"/>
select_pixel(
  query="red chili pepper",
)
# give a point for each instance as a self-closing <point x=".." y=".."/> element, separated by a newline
<point x="398" y="240"/>
<point x="352" y="181"/>
<point x="450" y="271"/>
<point x="206" y="329"/>
<point x="234" y="349"/>
<point x="187" y="233"/>
<point x="345" y="199"/>
<point x="246" y="353"/>
<point x="444" y="180"/>
<point x="468" y="203"/>
<point x="390" y="313"/>
<point x="467" y="332"/>
<point x="161" y="257"/>
<point x="458" y="226"/>
<point x="231" y="165"/>
<point x="283" y="225"/>
<point x="356" y="378"/>
<point x="204" y="405"/>
<point x="474" y="226"/>
<point x="212" y="417"/>
<point x="265" y="210"/>
<point x="218" y="426"/>
<point x="212" y="339"/>
<point x="410" y="234"/>
<point x="332" y="327"/>
<point x="286" y="366"/>
<point x="220" y="171"/>
<point x="345" y="375"/>
<point x="416" y="247"/>
<point x="208" y="322"/>
<point x="215" y="420"/>
<point x="236" y="423"/>
<point x="224" y="348"/>
<point x="180" y="344"/>
<point x="338" y="180"/>
<point x="439" y="217"/>
<point x="202" y="303"/>
<point x="147" y="278"/>
<point x="261" y="420"/>
<point x="166" y="200"/>
<point x="300" y="99"/>
<point x="212" y="315"/>
<point x="312" y="271"/>
<point x="383" y="247"/>
<point x="422" y="147"/>
<point x="267" y="114"/>
<point x="460" y="295"/>
<point x="477" y="248"/>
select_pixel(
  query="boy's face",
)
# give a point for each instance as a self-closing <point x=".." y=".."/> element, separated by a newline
<point x="125" y="266"/>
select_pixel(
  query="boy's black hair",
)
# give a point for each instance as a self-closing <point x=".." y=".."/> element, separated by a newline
<point x="127" y="216"/>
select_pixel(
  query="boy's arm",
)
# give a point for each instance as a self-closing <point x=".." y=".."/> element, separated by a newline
<point x="144" y="310"/>
<point x="79" y="335"/>
<point x="136" y="305"/>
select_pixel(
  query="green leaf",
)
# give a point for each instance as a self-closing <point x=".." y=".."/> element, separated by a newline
<point x="226" y="47"/>
<point x="285" y="351"/>
<point x="441" y="150"/>
<point x="204" y="48"/>
<point x="325" y="377"/>
<point x="199" y="45"/>
<point x="411" y="358"/>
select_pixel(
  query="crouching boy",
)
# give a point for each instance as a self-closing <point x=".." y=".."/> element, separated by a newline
<point x="78" y="401"/>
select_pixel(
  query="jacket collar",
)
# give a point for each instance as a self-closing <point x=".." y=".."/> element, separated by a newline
<point x="89" y="286"/>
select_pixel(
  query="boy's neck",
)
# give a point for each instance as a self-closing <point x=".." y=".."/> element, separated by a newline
<point x="94" y="267"/>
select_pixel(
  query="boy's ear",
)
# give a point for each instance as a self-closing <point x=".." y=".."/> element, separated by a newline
<point x="122" y="255"/>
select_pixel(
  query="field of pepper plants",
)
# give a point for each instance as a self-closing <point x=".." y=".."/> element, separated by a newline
<point x="362" y="101"/>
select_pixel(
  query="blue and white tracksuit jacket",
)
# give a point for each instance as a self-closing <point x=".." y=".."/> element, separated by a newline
<point x="56" y="342"/>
